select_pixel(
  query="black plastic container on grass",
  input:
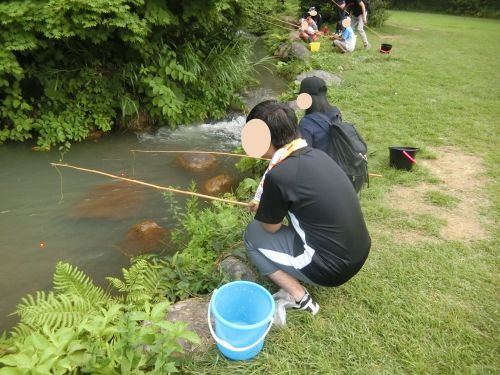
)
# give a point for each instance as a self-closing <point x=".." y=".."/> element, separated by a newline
<point x="402" y="157"/>
<point x="385" y="48"/>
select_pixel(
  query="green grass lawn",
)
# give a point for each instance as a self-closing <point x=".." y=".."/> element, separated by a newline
<point x="429" y="306"/>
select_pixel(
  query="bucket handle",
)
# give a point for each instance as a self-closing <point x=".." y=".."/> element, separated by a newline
<point x="225" y="344"/>
<point x="409" y="157"/>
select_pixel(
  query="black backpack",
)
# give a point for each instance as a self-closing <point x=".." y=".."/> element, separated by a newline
<point x="349" y="150"/>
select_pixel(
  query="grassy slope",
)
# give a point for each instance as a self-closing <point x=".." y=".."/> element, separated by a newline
<point x="428" y="307"/>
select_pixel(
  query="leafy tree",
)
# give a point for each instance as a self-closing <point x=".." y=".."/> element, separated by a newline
<point x="69" y="67"/>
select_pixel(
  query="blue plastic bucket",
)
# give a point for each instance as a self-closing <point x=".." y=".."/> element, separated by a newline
<point x="243" y="313"/>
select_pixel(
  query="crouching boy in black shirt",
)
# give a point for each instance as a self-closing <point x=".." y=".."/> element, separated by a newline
<point x="326" y="242"/>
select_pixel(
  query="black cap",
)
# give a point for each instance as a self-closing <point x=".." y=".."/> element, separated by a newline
<point x="313" y="86"/>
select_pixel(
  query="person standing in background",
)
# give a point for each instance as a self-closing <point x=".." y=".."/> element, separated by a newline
<point x="359" y="16"/>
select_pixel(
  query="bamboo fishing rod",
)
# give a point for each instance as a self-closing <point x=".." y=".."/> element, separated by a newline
<point x="288" y="28"/>
<point x="198" y="152"/>
<point x="222" y="153"/>
<point x="275" y="18"/>
<point x="158" y="187"/>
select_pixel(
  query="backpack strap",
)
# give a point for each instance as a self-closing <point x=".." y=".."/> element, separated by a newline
<point x="334" y="118"/>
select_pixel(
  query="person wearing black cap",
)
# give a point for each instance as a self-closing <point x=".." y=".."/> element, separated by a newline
<point x="314" y="126"/>
<point x="326" y="241"/>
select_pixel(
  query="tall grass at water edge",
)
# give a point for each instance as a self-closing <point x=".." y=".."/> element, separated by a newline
<point x="424" y="307"/>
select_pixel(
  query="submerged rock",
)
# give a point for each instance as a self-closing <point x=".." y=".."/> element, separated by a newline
<point x="143" y="238"/>
<point x="94" y="135"/>
<point x="218" y="185"/>
<point x="197" y="162"/>
<point x="119" y="200"/>
<point x="328" y="77"/>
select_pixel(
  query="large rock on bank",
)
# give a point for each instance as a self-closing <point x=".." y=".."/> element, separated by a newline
<point x="296" y="50"/>
<point x="193" y="311"/>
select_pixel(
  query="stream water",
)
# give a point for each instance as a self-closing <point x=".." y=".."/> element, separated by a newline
<point x="39" y="220"/>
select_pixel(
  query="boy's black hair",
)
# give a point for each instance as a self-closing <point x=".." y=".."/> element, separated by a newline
<point x="280" y="119"/>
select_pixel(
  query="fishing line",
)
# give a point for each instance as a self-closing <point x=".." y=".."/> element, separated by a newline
<point x="275" y="18"/>
<point x="288" y="28"/>
<point x="133" y="163"/>
<point x="61" y="185"/>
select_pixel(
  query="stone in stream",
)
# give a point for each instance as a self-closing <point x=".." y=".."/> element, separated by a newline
<point x="217" y="185"/>
<point x="119" y="200"/>
<point x="197" y="162"/>
<point x="94" y="135"/>
<point x="143" y="238"/>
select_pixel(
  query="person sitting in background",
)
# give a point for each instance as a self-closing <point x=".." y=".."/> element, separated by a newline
<point x="308" y="31"/>
<point x="347" y="41"/>
<point x="315" y="16"/>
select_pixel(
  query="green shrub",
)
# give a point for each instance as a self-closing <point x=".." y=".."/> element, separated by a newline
<point x="67" y="68"/>
<point x="79" y="328"/>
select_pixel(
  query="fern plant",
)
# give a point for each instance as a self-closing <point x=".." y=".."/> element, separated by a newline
<point x="142" y="282"/>
<point x="70" y="280"/>
<point x="53" y="310"/>
<point x="74" y="298"/>
<point x="79" y="327"/>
